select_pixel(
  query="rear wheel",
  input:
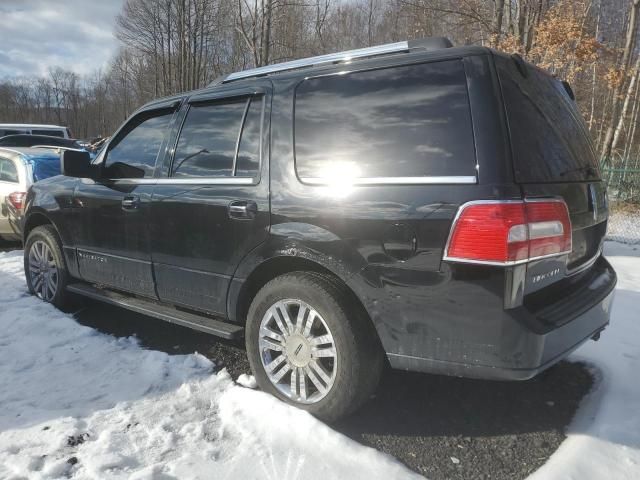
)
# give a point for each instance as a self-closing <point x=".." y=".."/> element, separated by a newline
<point x="44" y="266"/>
<point x="311" y="346"/>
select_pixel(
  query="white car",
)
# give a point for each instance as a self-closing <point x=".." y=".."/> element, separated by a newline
<point x="34" y="129"/>
<point x="19" y="169"/>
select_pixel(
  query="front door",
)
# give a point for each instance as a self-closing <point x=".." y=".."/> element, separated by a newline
<point x="212" y="207"/>
<point x="111" y="214"/>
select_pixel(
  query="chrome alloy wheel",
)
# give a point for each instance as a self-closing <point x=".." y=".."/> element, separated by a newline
<point x="43" y="271"/>
<point x="297" y="351"/>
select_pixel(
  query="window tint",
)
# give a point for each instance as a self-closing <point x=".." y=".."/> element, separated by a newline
<point x="207" y="144"/>
<point x="134" y="154"/>
<point x="548" y="137"/>
<point x="248" y="162"/>
<point x="31" y="140"/>
<point x="11" y="132"/>
<point x="409" y="121"/>
<point x="50" y="133"/>
<point x="8" y="171"/>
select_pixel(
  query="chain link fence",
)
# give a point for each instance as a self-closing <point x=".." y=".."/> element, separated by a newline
<point x="623" y="186"/>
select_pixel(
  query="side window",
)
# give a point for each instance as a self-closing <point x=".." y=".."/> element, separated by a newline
<point x="48" y="133"/>
<point x="4" y="133"/>
<point x="8" y="171"/>
<point x="409" y="121"/>
<point x="211" y="143"/>
<point x="134" y="153"/>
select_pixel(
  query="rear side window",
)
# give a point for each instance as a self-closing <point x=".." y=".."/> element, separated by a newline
<point x="11" y="132"/>
<point x="409" y="121"/>
<point x="549" y="139"/>
<point x="211" y="143"/>
<point x="8" y="171"/>
<point x="49" y="133"/>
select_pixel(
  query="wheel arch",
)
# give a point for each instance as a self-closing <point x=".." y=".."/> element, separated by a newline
<point x="240" y="298"/>
<point x="34" y="220"/>
<point x="242" y="293"/>
<point x="38" y="218"/>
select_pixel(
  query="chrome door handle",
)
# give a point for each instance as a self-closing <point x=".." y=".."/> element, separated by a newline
<point x="243" y="209"/>
<point x="130" y="202"/>
<point x="238" y="209"/>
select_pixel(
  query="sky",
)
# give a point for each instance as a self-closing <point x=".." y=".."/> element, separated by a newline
<point x="73" y="34"/>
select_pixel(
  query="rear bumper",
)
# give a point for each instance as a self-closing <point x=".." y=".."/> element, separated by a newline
<point x="525" y="345"/>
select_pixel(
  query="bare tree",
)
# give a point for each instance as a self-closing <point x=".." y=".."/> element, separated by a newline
<point x="169" y="46"/>
<point x="616" y="118"/>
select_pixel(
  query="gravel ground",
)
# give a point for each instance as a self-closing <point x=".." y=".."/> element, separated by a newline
<point x="441" y="427"/>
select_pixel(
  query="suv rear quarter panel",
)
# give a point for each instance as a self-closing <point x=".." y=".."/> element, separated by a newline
<point x="386" y="241"/>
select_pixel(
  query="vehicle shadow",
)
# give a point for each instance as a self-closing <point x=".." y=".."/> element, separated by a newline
<point x="406" y="404"/>
<point x="413" y="404"/>
<point x="154" y="334"/>
<point x="7" y="246"/>
<point x="446" y="427"/>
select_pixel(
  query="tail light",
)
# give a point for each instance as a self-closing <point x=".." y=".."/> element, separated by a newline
<point x="509" y="232"/>
<point x="17" y="199"/>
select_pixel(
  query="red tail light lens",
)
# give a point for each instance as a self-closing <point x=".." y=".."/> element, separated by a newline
<point x="509" y="232"/>
<point x="482" y="233"/>
<point x="17" y="199"/>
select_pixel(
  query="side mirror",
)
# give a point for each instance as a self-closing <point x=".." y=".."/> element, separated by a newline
<point x="76" y="163"/>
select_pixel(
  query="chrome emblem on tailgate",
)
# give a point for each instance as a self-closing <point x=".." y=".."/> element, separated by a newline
<point x="544" y="276"/>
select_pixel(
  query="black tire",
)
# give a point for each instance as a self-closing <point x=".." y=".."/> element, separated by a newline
<point x="48" y="235"/>
<point x="359" y="355"/>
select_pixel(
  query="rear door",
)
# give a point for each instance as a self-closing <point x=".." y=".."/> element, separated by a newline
<point x="553" y="156"/>
<point x="212" y="206"/>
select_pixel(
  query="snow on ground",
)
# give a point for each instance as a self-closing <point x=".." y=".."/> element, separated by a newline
<point x="75" y="403"/>
<point x="604" y="440"/>
<point x="248" y="381"/>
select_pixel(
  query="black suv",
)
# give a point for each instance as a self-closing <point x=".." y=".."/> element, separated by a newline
<point x="436" y="208"/>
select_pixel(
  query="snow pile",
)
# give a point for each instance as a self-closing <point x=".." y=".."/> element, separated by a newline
<point x="79" y="404"/>
<point x="604" y="441"/>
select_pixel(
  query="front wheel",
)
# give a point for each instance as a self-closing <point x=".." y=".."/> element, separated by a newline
<point x="310" y="345"/>
<point x="44" y="266"/>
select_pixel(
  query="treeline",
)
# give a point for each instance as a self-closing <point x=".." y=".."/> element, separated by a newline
<point x="168" y="46"/>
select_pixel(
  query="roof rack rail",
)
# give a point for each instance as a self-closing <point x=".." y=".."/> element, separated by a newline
<point x="430" y="43"/>
<point x="319" y="60"/>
